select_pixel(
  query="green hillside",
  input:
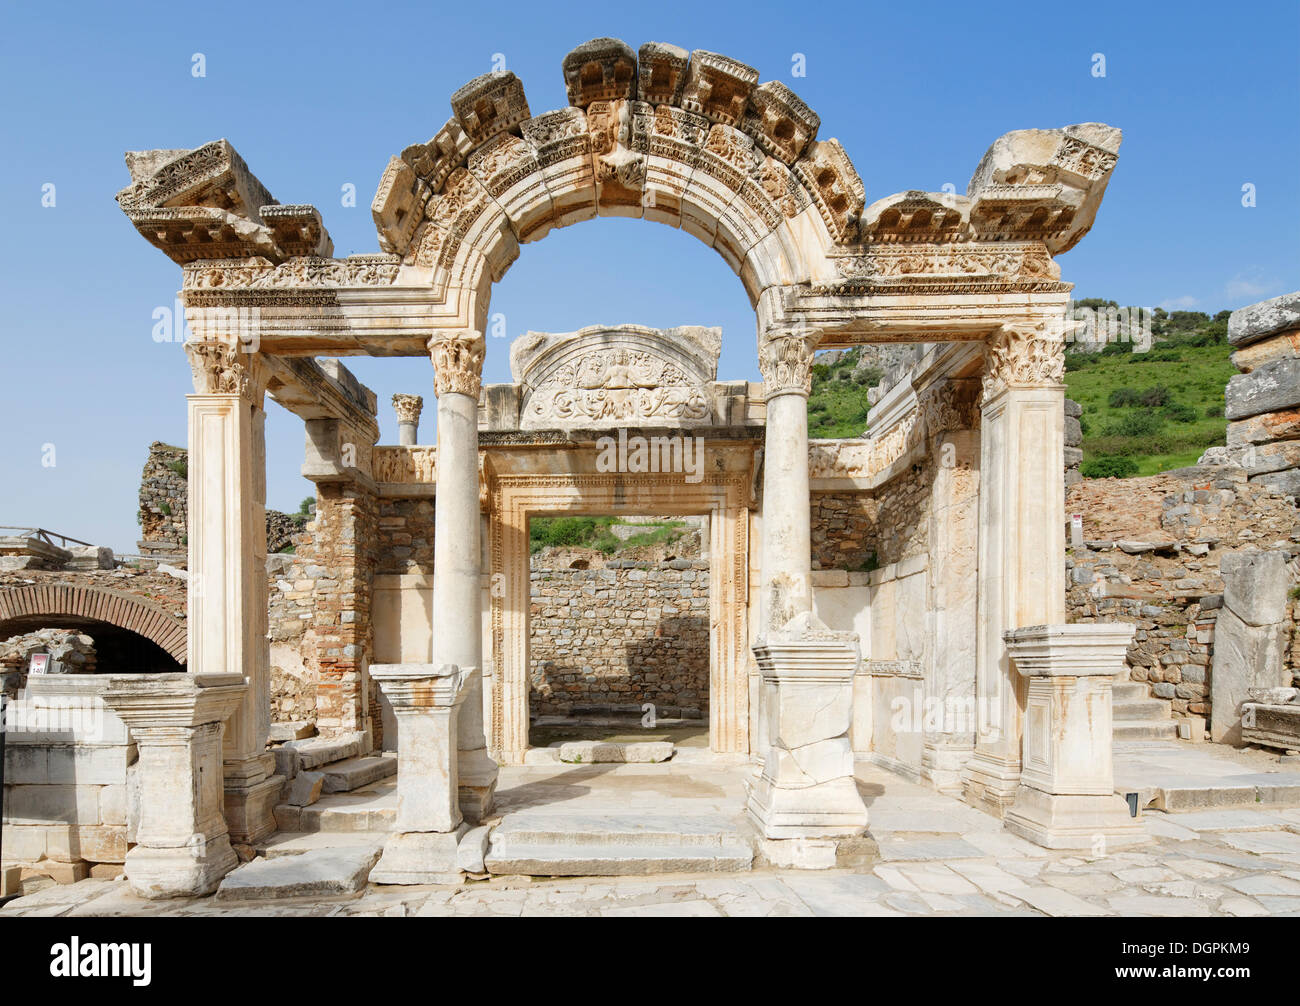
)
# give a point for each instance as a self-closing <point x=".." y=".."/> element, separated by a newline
<point x="1149" y="412"/>
<point x="1143" y="412"/>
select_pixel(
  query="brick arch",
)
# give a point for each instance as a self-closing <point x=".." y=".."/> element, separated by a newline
<point x="99" y="604"/>
<point x="691" y="140"/>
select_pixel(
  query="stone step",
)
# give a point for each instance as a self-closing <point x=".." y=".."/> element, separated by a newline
<point x="1128" y="691"/>
<point x="353" y="773"/>
<point x="565" y="860"/>
<point x="534" y="828"/>
<point x="316" y="873"/>
<point x="1143" y="730"/>
<point x="1253" y="791"/>
<point x="1143" y="709"/>
<point x="371" y="808"/>
<point x="295" y="843"/>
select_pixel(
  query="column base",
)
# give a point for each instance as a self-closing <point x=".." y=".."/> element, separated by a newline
<point x="420" y="857"/>
<point x="476" y="783"/>
<point x="989" y="783"/>
<point x="1095" y="823"/>
<point x="832" y="809"/>
<point x="249" y="808"/>
<point x="943" y="762"/>
<point x="185" y="872"/>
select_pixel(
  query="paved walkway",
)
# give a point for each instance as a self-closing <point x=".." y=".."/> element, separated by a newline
<point x="938" y="857"/>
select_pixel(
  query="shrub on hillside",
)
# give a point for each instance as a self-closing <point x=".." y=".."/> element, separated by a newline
<point x="1139" y="423"/>
<point x="1116" y="467"/>
<point x="1154" y="398"/>
<point x="1179" y="413"/>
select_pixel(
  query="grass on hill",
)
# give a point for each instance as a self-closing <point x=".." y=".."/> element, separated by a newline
<point x="1150" y="412"/>
<point x="837" y="406"/>
<point x="594" y="532"/>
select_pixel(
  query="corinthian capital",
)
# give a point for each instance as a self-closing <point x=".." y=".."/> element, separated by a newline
<point x="224" y="368"/>
<point x="457" y="362"/>
<point x="408" y="408"/>
<point x="785" y="359"/>
<point x="1023" y="356"/>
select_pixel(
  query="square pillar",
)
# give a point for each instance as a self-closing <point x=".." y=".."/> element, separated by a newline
<point x="806" y="788"/>
<point x="949" y="713"/>
<point x="1066" y="798"/>
<point x="1021" y="578"/>
<point x="227" y="568"/>
<point x="182" y="845"/>
<point x="426" y="700"/>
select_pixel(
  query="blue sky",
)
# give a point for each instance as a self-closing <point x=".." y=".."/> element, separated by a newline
<point x="319" y="95"/>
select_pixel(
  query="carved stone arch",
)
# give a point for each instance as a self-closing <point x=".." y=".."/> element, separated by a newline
<point x="689" y="141"/>
<point x="19" y="606"/>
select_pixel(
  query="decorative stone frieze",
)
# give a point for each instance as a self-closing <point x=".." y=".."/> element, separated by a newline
<point x="458" y="362"/>
<point x="616" y="376"/>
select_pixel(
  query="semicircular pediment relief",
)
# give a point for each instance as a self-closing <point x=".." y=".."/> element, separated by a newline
<point x="609" y="376"/>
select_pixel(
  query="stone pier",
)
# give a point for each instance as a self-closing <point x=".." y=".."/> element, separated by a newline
<point x="1066" y="798"/>
<point x="422" y="846"/>
<point x="182" y="842"/>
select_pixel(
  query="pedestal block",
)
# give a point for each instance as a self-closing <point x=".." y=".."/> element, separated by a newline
<point x="427" y="701"/>
<point x="1066" y="798"/>
<point x="806" y="788"/>
<point x="182" y="846"/>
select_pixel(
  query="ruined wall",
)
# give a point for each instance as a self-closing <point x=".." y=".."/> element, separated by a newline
<point x="322" y="641"/>
<point x="1151" y="554"/>
<point x="620" y="632"/>
<point x="843" y="531"/>
<point x="164" y="494"/>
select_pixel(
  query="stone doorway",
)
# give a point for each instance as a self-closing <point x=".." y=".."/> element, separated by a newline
<point x="721" y="499"/>
<point x="618" y="637"/>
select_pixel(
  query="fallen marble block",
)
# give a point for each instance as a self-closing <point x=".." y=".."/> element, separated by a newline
<point x="591" y="752"/>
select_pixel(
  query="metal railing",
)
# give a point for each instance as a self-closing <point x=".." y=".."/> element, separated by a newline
<point x="46" y="535"/>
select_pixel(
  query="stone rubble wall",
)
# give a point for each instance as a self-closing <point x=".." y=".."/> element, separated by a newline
<point x="164" y="495"/>
<point x="1151" y="557"/>
<point x="621" y="632"/>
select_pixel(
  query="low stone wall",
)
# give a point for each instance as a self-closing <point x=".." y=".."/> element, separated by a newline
<point x="620" y="632"/>
<point x="67" y="759"/>
<point x="1151" y="557"/>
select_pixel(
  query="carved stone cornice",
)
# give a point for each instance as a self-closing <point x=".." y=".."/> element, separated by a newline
<point x="223" y="368"/>
<point x="408" y="408"/>
<point x="458" y="362"/>
<point x="1023" y="356"/>
<point x="785" y="360"/>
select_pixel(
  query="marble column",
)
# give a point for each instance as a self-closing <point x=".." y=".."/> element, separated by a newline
<point x="426" y="699"/>
<point x="1066" y="798"/>
<point x="803" y="800"/>
<point x="182" y="847"/>
<point x="785" y="360"/>
<point x="408" y="408"/>
<point x="1021" y="578"/>
<point x="457" y="557"/>
<point x="227" y="568"/>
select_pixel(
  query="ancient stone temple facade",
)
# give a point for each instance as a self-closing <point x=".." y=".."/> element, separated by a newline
<point x="958" y="478"/>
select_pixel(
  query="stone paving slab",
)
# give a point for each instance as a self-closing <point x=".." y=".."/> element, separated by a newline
<point x="1216" y="862"/>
